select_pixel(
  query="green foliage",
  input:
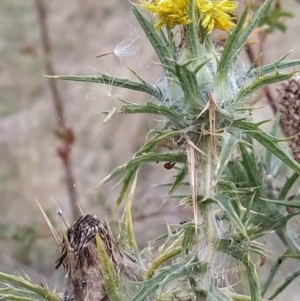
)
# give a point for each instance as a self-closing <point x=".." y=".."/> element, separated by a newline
<point x="274" y="18"/>
<point x="212" y="139"/>
<point x="167" y="275"/>
<point x="18" y="288"/>
<point x="111" y="279"/>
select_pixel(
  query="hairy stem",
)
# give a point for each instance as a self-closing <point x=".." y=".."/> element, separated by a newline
<point x="207" y="233"/>
<point x="253" y="281"/>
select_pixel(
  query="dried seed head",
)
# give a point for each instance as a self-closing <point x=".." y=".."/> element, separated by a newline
<point x="289" y="105"/>
<point x="79" y="256"/>
<point x="295" y="147"/>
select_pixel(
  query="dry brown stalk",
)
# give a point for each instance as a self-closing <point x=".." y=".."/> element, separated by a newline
<point x="65" y="134"/>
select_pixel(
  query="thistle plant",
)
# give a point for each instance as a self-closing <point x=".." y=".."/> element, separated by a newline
<point x="210" y="140"/>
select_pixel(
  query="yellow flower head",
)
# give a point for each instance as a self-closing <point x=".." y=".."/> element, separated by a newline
<point x="213" y="14"/>
<point x="216" y="14"/>
<point x="169" y="12"/>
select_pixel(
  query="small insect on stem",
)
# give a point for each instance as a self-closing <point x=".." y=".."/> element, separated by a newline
<point x="263" y="260"/>
<point x="169" y="165"/>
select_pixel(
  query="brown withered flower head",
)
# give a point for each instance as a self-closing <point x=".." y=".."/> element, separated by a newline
<point x="79" y="256"/>
<point x="289" y="107"/>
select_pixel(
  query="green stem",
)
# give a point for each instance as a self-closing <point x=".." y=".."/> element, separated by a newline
<point x="253" y="281"/>
<point x="287" y="186"/>
<point x="273" y="272"/>
<point x="288" y="240"/>
<point x="159" y="260"/>
<point x="205" y="165"/>
<point x="287" y="281"/>
<point x="238" y="297"/>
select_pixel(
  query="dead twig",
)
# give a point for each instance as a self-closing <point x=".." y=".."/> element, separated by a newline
<point x="63" y="132"/>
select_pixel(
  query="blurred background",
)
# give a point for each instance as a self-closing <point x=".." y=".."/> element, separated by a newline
<point x="38" y="162"/>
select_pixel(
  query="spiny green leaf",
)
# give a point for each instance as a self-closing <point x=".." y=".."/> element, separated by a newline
<point x="159" y="137"/>
<point x="189" y="237"/>
<point x="16" y="298"/>
<point x="233" y="216"/>
<point x="282" y="222"/>
<point x="148" y="146"/>
<point x="128" y="219"/>
<point x="276" y="66"/>
<point x="266" y="69"/>
<point x="144" y="158"/>
<point x="260" y="82"/>
<point x="268" y="142"/>
<point x="230" y="48"/>
<point x="184" y="183"/>
<point x="39" y="290"/>
<point x="151" y="108"/>
<point x="110" y="277"/>
<point x="290" y="255"/>
<point x="10" y="292"/>
<point x="168" y="42"/>
<point x="126" y="180"/>
<point x="230" y="187"/>
<point x="246" y="216"/>
<point x="252" y="24"/>
<point x="113" y="81"/>
<point x="215" y="295"/>
<point x="238" y="174"/>
<point x="249" y="164"/>
<point x="283" y="203"/>
<point x="229" y="142"/>
<point x="167" y="275"/>
<point x="201" y="65"/>
<point x="288" y="185"/>
<point x="189" y="84"/>
<point x="192" y="37"/>
<point x="166" y="254"/>
<point x="157" y="43"/>
<point x="177" y="182"/>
